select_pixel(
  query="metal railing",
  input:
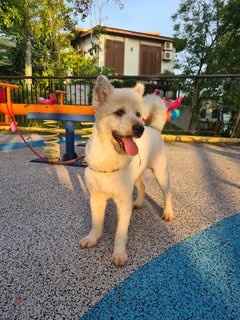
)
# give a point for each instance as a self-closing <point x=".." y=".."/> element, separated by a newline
<point x="199" y="90"/>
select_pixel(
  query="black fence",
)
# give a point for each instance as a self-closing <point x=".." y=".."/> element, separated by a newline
<point x="206" y="109"/>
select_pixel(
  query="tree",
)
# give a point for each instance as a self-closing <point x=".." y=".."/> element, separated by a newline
<point x="96" y="10"/>
<point x="83" y="7"/>
<point x="211" y="32"/>
<point x="16" y="21"/>
<point x="45" y="26"/>
<point x="227" y="54"/>
<point x="197" y="24"/>
<point x="227" y="60"/>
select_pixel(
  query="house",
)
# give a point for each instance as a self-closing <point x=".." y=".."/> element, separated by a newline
<point x="128" y="52"/>
<point x="212" y="117"/>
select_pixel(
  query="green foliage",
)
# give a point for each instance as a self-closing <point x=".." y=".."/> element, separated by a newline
<point x="83" y="7"/>
<point x="107" y="71"/>
<point x="228" y="50"/>
<point x="167" y="73"/>
<point x="48" y="26"/>
<point x="5" y="46"/>
<point x="179" y="44"/>
<point x="127" y="83"/>
<point x="77" y="64"/>
<point x="210" y="30"/>
<point x="196" y="23"/>
<point x="43" y="30"/>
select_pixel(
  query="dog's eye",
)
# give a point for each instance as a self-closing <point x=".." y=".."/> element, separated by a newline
<point x="138" y="114"/>
<point x="119" y="112"/>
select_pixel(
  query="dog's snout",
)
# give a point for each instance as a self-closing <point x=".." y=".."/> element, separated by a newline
<point x="138" y="130"/>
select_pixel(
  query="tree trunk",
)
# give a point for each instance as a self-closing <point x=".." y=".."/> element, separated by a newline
<point x="28" y="59"/>
<point x="196" y="93"/>
<point x="236" y="125"/>
<point x="58" y="45"/>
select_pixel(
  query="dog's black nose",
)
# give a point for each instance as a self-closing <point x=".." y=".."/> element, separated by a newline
<point x="138" y="130"/>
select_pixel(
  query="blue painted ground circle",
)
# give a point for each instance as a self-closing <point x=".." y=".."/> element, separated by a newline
<point x="198" y="278"/>
<point x="21" y="145"/>
<point x="33" y="143"/>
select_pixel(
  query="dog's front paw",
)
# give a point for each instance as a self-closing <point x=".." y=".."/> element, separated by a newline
<point x="88" y="242"/>
<point x="119" y="259"/>
<point x="168" y="216"/>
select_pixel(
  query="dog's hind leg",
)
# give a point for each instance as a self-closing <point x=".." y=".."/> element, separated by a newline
<point x="98" y="205"/>
<point x="140" y="193"/>
<point x="124" y="211"/>
<point x="162" y="175"/>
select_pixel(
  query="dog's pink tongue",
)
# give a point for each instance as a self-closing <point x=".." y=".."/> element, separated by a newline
<point x="130" y="146"/>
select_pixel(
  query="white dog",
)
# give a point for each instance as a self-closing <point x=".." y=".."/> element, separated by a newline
<point x="119" y="151"/>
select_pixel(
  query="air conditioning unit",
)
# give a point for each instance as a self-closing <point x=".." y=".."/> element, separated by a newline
<point x="168" y="46"/>
<point x="167" y="55"/>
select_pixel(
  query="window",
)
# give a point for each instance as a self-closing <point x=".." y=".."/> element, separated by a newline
<point x="114" y="55"/>
<point x="150" y="60"/>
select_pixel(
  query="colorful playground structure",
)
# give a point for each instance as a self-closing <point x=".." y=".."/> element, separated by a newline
<point x="51" y="113"/>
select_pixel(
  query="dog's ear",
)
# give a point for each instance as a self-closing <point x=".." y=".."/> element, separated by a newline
<point x="102" y="91"/>
<point x="139" y="88"/>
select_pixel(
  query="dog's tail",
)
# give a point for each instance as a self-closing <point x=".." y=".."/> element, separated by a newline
<point x="154" y="108"/>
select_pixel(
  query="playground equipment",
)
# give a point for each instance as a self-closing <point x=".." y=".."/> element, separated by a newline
<point x="53" y="112"/>
<point x="172" y="107"/>
<point x="8" y="104"/>
<point x="52" y="147"/>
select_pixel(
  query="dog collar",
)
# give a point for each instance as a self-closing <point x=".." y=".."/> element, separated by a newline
<point x="114" y="170"/>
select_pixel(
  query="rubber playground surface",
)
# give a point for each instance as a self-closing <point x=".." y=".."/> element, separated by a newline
<point x="187" y="269"/>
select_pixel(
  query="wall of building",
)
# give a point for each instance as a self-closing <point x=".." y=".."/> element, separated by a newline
<point x="131" y="57"/>
<point x="131" y="53"/>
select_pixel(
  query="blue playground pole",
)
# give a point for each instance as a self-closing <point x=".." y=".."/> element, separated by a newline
<point x="70" y="138"/>
<point x="69" y="130"/>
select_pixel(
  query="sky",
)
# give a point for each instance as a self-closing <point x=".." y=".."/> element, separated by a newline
<point x="137" y="15"/>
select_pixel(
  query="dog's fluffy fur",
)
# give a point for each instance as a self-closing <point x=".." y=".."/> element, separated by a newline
<point x="119" y="151"/>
